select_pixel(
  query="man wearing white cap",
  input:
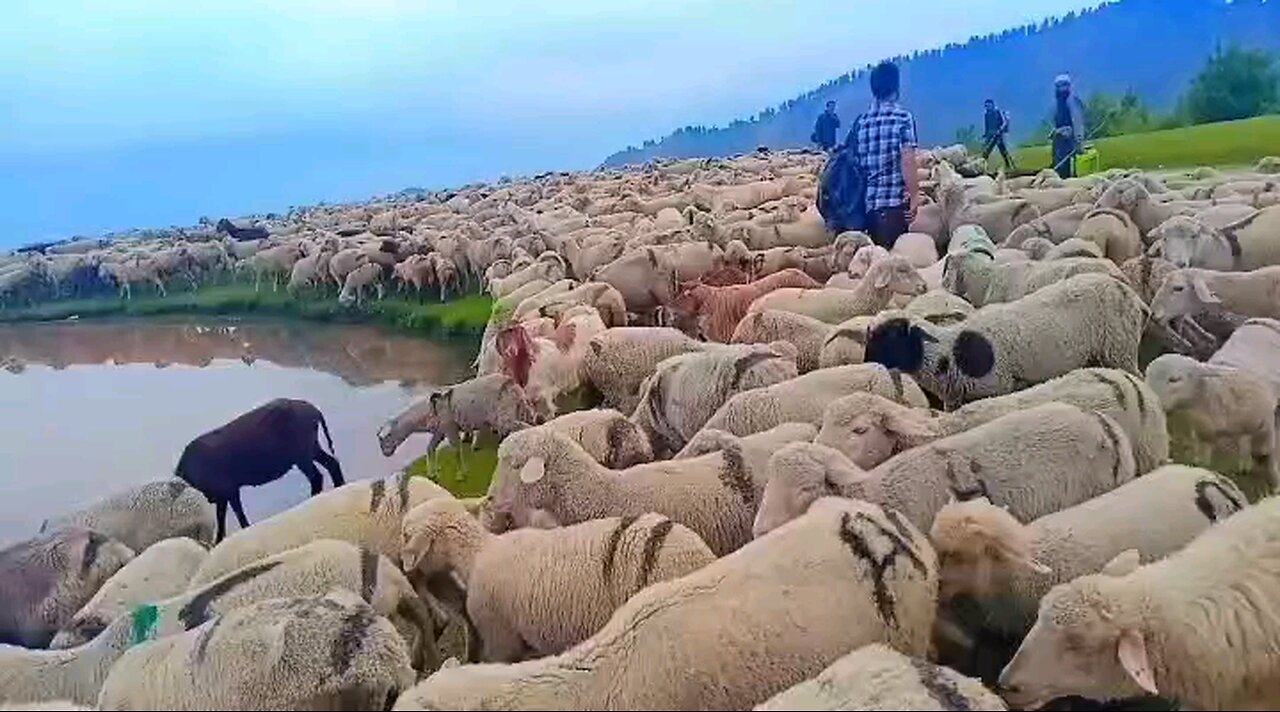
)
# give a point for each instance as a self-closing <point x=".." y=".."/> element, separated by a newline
<point x="1068" y="126"/>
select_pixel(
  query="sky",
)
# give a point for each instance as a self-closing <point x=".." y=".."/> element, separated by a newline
<point x="137" y="113"/>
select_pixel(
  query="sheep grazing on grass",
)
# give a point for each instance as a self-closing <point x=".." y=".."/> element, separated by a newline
<point x="1189" y="292"/>
<point x="44" y="581"/>
<point x="986" y="554"/>
<point x="366" y="513"/>
<point x="369" y="273"/>
<point x="757" y="622"/>
<point x="618" y="360"/>
<point x="1036" y="461"/>
<point x="1086" y="320"/>
<point x="526" y="592"/>
<point x="890" y="276"/>
<point x="162" y="571"/>
<point x="1196" y="626"/>
<point x="141" y="516"/>
<point x="1226" y="408"/>
<point x="330" y="652"/>
<point x="543" y="477"/>
<point x="876" y="677"/>
<point x="803" y="399"/>
<point x="684" y="391"/>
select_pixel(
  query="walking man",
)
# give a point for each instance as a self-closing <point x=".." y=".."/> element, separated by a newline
<point x="885" y="137"/>
<point x="1068" y="126"/>
<point x="824" y="129"/>
<point x="995" y="127"/>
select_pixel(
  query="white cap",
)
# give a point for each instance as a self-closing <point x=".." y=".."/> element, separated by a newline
<point x="1062" y="79"/>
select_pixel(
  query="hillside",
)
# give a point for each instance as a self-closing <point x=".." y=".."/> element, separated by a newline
<point x="1154" y="47"/>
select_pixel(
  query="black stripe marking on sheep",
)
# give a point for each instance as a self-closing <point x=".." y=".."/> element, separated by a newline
<point x="196" y="611"/>
<point x="746" y="363"/>
<point x="402" y="490"/>
<point x="175" y="488"/>
<point x="89" y="627"/>
<point x="350" y="638"/>
<point x="202" y="645"/>
<point x="368" y="573"/>
<point x="652" y="545"/>
<point x="616" y="437"/>
<point x="1116" y="389"/>
<point x="611" y="548"/>
<point x="969" y="491"/>
<point x="854" y="335"/>
<point x="377" y="489"/>
<point x="91" y="547"/>
<point x="733" y="473"/>
<point x="1143" y="406"/>
<point x="861" y="547"/>
<point x="898" y="389"/>
<point x="1114" y="437"/>
<point x="1205" y="505"/>
<point x="942" y="690"/>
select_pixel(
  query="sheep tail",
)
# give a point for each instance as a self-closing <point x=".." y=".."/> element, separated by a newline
<point x="324" y="427"/>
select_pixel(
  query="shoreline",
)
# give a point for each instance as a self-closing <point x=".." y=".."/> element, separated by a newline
<point x="465" y="316"/>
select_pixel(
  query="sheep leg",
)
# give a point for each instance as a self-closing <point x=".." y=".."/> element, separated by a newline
<point x="239" y="510"/>
<point x="221" y="507"/>
<point x="330" y="463"/>
<point x="160" y="287"/>
<point x="313" y="476"/>
<point x="499" y="643"/>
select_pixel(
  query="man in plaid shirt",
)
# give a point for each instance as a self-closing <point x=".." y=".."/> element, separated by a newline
<point x="886" y="143"/>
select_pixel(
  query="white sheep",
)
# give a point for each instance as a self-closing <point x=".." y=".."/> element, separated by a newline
<point x="1195" y="626"/>
<point x="143" y="515"/>
<point x="366" y="513"/>
<point x="1086" y="320"/>
<point x="1255" y="347"/>
<point x="273" y="262"/>
<point x="1035" y="461"/>
<point x="1114" y="231"/>
<point x="609" y="437"/>
<point x="618" y="360"/>
<point x="846" y="344"/>
<point x="369" y="273"/>
<point x="1226" y="408"/>
<point x="330" y="652"/>
<point x="981" y="281"/>
<point x="1190" y="291"/>
<point x="756" y="447"/>
<point x="1188" y="242"/>
<point x="684" y="391"/>
<point x="876" y="677"/>
<point x="754" y="622"/>
<point x="986" y="554"/>
<point x="804" y="332"/>
<point x="803" y="399"/>
<point x="528" y="593"/>
<point x="160" y="572"/>
<point x="543" y="476"/>
<point x="890" y="276"/>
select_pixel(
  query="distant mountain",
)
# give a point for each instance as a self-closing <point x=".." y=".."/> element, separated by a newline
<point x="1153" y="47"/>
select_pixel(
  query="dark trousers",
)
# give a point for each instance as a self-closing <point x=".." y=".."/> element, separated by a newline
<point x="997" y="141"/>
<point x="1064" y="157"/>
<point x="887" y="225"/>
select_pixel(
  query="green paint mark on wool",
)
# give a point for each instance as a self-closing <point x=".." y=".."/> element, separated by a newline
<point x="144" y="623"/>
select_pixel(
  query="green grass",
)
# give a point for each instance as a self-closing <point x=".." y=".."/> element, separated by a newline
<point x="464" y="316"/>
<point x="473" y="480"/>
<point x="1230" y="143"/>
<point x="1251" y="479"/>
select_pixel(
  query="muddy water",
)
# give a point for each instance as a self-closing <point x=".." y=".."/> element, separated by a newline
<point x="92" y="407"/>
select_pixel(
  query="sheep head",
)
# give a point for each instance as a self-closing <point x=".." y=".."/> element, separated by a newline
<point x="977" y="541"/>
<point x="522" y="492"/>
<point x="897" y="343"/>
<point x="870" y="429"/>
<point x="1088" y="640"/>
<point x="801" y="473"/>
<point x="1183" y="293"/>
<point x="1176" y="380"/>
<point x="432" y="534"/>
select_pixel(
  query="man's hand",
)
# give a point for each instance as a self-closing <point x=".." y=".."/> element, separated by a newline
<point x="913" y="206"/>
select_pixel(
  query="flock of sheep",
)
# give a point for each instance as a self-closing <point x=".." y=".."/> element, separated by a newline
<point x="822" y="475"/>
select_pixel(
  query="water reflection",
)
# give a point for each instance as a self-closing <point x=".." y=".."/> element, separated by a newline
<point x="91" y="407"/>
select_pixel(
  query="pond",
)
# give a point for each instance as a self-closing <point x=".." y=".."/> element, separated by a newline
<point x="88" y="408"/>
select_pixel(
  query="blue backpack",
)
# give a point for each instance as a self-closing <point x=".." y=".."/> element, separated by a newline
<point x="842" y="188"/>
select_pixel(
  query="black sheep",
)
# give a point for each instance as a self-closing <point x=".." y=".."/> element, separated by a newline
<point x="254" y="449"/>
<point x="241" y="233"/>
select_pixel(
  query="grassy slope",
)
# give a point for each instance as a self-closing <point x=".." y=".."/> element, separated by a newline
<point x="473" y="480"/>
<point x="1227" y="143"/>
<point x="466" y="315"/>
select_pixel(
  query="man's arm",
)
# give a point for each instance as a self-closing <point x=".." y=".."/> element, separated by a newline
<point x="912" y="179"/>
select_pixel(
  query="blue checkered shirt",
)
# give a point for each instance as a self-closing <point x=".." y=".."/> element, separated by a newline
<point x="882" y="133"/>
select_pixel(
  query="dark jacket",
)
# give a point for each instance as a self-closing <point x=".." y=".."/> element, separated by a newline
<point x="996" y="123"/>
<point x="824" y="129"/>
<point x="1073" y="117"/>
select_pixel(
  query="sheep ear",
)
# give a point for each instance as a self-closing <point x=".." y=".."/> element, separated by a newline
<point x="1205" y="294"/>
<point x="1124" y="563"/>
<point x="882" y="279"/>
<point x="533" y="470"/>
<point x="1131" y="651"/>
<point x="907" y="426"/>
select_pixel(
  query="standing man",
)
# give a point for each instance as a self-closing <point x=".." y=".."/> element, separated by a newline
<point x="1068" y="126"/>
<point x="824" y="129"/>
<point x="995" y="127"/>
<point x="886" y="140"/>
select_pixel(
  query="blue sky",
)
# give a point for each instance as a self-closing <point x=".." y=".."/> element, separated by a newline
<point x="124" y="113"/>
